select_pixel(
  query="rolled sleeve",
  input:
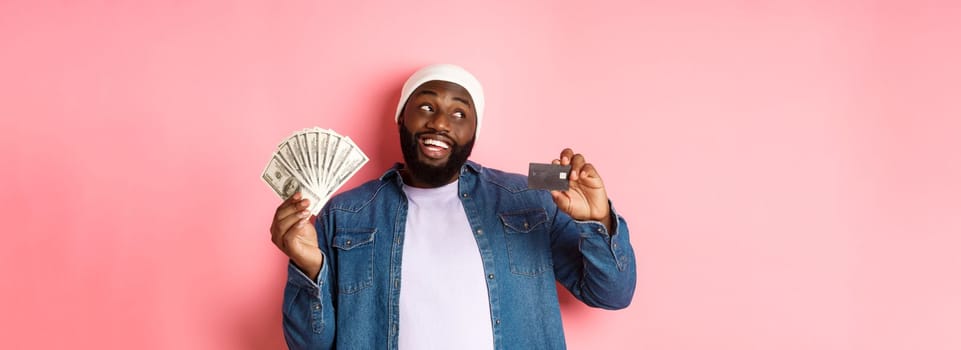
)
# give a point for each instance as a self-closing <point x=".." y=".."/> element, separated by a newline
<point x="308" y="311"/>
<point x="618" y="242"/>
<point x="299" y="279"/>
<point x="596" y="265"/>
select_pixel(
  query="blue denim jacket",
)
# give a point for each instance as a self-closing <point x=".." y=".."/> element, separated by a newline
<point x="525" y="242"/>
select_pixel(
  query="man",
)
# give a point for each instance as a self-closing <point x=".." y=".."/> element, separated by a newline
<point x="443" y="253"/>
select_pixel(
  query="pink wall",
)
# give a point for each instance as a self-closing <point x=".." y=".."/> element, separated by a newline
<point x="790" y="169"/>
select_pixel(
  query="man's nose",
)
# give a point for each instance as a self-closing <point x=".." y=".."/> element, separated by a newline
<point x="439" y="121"/>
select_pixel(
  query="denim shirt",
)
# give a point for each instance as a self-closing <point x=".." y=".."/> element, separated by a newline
<point x="525" y="242"/>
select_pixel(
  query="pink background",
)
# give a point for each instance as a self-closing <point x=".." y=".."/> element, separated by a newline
<point x="790" y="169"/>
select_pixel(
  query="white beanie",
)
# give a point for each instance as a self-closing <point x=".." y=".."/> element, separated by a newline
<point x="449" y="73"/>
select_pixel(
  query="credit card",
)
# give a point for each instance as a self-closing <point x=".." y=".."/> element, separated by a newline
<point x="548" y="176"/>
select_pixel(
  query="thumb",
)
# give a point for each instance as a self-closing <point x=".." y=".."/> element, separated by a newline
<point x="560" y="198"/>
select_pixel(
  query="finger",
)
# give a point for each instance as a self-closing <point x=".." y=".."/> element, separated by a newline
<point x="566" y="155"/>
<point x="282" y="239"/>
<point x="591" y="176"/>
<point x="284" y="225"/>
<point x="556" y="162"/>
<point x="577" y="162"/>
<point x="290" y="208"/>
<point x="282" y="212"/>
<point x="286" y="203"/>
<point x="296" y="231"/>
<point x="301" y="212"/>
<point x="293" y="219"/>
<point x="293" y="198"/>
<point x="563" y="201"/>
<point x="559" y="198"/>
<point x="587" y="170"/>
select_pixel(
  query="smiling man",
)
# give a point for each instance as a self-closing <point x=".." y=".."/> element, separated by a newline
<point x="441" y="252"/>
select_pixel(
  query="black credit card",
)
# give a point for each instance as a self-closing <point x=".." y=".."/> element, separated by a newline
<point x="548" y="176"/>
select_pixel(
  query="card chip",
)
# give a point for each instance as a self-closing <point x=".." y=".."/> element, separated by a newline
<point x="563" y="176"/>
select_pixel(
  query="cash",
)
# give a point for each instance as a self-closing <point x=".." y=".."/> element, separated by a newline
<point x="315" y="162"/>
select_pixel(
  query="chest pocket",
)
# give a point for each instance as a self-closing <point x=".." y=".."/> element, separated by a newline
<point x="528" y="241"/>
<point x="355" y="258"/>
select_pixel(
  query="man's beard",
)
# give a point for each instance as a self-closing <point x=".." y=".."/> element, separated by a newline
<point x="432" y="176"/>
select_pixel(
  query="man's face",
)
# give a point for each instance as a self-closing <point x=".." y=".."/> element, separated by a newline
<point x="437" y="132"/>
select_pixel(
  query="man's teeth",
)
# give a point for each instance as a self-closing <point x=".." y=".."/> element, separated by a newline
<point x="437" y="143"/>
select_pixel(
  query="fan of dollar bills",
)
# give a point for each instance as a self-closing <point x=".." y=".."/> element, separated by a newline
<point x="316" y="162"/>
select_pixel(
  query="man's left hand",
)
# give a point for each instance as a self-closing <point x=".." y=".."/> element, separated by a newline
<point x="586" y="199"/>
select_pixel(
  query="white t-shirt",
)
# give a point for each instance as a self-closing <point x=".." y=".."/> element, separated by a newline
<point x="443" y="290"/>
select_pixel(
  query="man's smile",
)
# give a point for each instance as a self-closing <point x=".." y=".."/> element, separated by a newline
<point x="434" y="146"/>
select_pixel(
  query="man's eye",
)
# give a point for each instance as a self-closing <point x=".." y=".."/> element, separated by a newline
<point x="427" y="108"/>
<point x="459" y="114"/>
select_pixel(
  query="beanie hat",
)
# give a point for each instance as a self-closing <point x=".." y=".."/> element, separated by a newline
<point x="449" y="73"/>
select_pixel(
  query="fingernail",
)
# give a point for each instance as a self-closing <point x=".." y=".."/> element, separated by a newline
<point x="564" y="159"/>
<point x="304" y="214"/>
<point x="297" y="195"/>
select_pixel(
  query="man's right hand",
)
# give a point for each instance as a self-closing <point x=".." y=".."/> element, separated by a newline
<point x="295" y="235"/>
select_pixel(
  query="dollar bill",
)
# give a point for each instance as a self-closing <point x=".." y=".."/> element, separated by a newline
<point x="314" y="161"/>
<point x="285" y="182"/>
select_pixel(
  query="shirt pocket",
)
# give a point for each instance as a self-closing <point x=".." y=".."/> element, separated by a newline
<point x="355" y="258"/>
<point x="528" y="241"/>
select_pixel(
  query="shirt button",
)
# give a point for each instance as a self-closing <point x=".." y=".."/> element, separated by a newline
<point x="600" y="230"/>
<point x="614" y="245"/>
<point x="480" y="232"/>
<point x="491" y="276"/>
<point x="465" y="195"/>
<point x="348" y="242"/>
<point x="497" y="322"/>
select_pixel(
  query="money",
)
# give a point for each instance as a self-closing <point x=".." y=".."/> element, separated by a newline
<point x="316" y="162"/>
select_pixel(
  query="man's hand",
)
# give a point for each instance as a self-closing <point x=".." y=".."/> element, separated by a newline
<point x="586" y="198"/>
<point x="293" y="233"/>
